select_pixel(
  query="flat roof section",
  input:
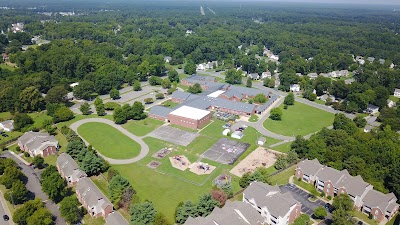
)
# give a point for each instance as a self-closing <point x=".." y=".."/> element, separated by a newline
<point x="216" y="94"/>
<point x="190" y="112"/>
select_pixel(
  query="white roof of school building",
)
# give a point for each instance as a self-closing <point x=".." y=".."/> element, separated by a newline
<point x="190" y="112"/>
<point x="216" y="94"/>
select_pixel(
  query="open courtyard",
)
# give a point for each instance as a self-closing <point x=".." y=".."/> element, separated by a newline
<point x="299" y="119"/>
<point x="109" y="141"/>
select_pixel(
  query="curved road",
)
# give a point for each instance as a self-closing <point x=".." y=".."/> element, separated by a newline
<point x="144" y="147"/>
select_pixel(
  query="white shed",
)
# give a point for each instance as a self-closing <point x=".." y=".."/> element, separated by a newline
<point x="237" y="135"/>
<point x="226" y="132"/>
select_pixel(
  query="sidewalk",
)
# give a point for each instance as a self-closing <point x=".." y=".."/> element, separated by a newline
<point x="6" y="209"/>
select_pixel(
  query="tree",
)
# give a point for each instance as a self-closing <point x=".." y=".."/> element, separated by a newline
<point x="63" y="114"/>
<point x="17" y="193"/>
<point x="41" y="216"/>
<point x="53" y="184"/>
<point x="153" y="81"/>
<point x="166" y="83"/>
<point x="233" y="77"/>
<point x="308" y="94"/>
<point x="138" y="111"/>
<point x="303" y="219"/>
<point x="276" y="114"/>
<point x="228" y="189"/>
<point x="117" y="186"/>
<point x="249" y="82"/>
<point x="70" y="209"/>
<point x="360" y="121"/>
<point x="142" y="213"/>
<point x="342" y="217"/>
<point x="11" y="175"/>
<point x="84" y="90"/>
<point x="220" y="196"/>
<point x="119" y="116"/>
<point x="92" y="164"/>
<point x="206" y="205"/>
<point x="75" y="147"/>
<point x="114" y="94"/>
<point x="52" y="107"/>
<point x="190" y="68"/>
<point x="184" y="210"/>
<point x="148" y="100"/>
<point x="38" y="161"/>
<point x="173" y="76"/>
<point x="28" y="209"/>
<point x="344" y="123"/>
<point x="6" y="163"/>
<point x="260" y="98"/>
<point x="159" y="96"/>
<point x="245" y="180"/>
<point x="98" y="104"/>
<point x="269" y="82"/>
<point x="300" y="146"/>
<point x="289" y="99"/>
<point x="85" y="108"/>
<point x="22" y="120"/>
<point x="320" y="213"/>
<point x="136" y="86"/>
<point x="343" y="201"/>
<point x="160" y="220"/>
<point x="57" y="94"/>
<point x="195" y="88"/>
<point x="30" y="100"/>
<point x="281" y="162"/>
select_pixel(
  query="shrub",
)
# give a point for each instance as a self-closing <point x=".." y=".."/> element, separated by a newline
<point x="26" y="154"/>
<point x="329" y="197"/>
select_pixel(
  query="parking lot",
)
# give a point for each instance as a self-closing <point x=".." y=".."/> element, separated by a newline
<point x="307" y="206"/>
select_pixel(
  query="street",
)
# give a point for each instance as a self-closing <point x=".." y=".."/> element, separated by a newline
<point x="3" y="212"/>
<point x="33" y="185"/>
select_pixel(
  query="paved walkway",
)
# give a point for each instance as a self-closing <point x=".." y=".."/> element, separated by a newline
<point x="144" y="147"/>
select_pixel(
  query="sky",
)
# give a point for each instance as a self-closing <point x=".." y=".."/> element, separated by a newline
<point x="378" y="2"/>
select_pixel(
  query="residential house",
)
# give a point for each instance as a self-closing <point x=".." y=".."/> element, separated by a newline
<point x="167" y="59"/>
<point x="275" y="207"/>
<point x="201" y="67"/>
<point x="37" y="143"/>
<point x="349" y="81"/>
<point x="380" y="206"/>
<point x="7" y="126"/>
<point x="381" y="61"/>
<point x="368" y="128"/>
<point x="396" y="93"/>
<point x="333" y="182"/>
<point x="266" y="75"/>
<point x="312" y="75"/>
<point x="188" y="32"/>
<point x="360" y="60"/>
<point x="326" y="74"/>
<point x="299" y="74"/>
<point x="254" y="76"/>
<point x="294" y="87"/>
<point x="92" y="199"/>
<point x="210" y="65"/>
<point x="5" y="57"/>
<point x="74" y="84"/>
<point x="326" y="96"/>
<point x="69" y="169"/>
<point x="372" y="108"/>
<point x="390" y="103"/>
<point x="371" y="59"/>
<point x="233" y="213"/>
<point x="115" y="218"/>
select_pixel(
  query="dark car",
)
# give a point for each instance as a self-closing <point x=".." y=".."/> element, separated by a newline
<point x="328" y="207"/>
<point x="4" y="135"/>
<point x="6" y="218"/>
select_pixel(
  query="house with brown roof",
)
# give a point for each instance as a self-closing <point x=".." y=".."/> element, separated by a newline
<point x="380" y="206"/>
<point x="69" y="169"/>
<point x="275" y="207"/>
<point x="233" y="213"/>
<point x="92" y="199"/>
<point x="37" y="143"/>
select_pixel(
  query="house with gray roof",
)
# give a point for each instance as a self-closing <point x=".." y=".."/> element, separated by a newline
<point x="307" y="169"/>
<point x="115" y="218"/>
<point x="167" y="59"/>
<point x="355" y="187"/>
<point x="37" y="143"/>
<point x="233" y="213"/>
<point x="160" y="112"/>
<point x="254" y="76"/>
<point x="371" y="59"/>
<point x="7" y="125"/>
<point x="312" y="75"/>
<point x="69" y="169"/>
<point x="380" y="206"/>
<point x="180" y="96"/>
<point x="94" y="201"/>
<point x="396" y="92"/>
<point x="275" y="207"/>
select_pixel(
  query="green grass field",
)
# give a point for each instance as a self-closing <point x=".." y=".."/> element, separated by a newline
<point x="142" y="127"/>
<point x="300" y="119"/>
<point x="5" y="66"/>
<point x="109" y="141"/>
<point x="282" y="177"/>
<point x="285" y="148"/>
<point x="253" y="118"/>
<point x="393" y="98"/>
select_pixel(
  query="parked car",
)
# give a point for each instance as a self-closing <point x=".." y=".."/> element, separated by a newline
<point x="328" y="207"/>
<point x="6" y="218"/>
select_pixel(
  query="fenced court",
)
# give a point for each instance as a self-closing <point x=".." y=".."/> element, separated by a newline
<point x="174" y="135"/>
<point x="226" y="151"/>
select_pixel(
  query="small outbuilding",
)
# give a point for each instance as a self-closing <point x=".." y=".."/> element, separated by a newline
<point x="261" y="141"/>
<point x="237" y="135"/>
<point x="226" y="132"/>
<point x="7" y="125"/>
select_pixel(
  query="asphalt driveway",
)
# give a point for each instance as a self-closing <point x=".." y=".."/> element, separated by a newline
<point x="307" y="206"/>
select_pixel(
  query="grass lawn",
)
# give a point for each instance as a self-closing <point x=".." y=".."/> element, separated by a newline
<point x="271" y="141"/>
<point x="142" y="127"/>
<point x="309" y="187"/>
<point x="282" y="177"/>
<point x="393" y="98"/>
<point x="81" y="117"/>
<point x="5" y="66"/>
<point x="300" y="119"/>
<point x="285" y="148"/>
<point x="364" y="217"/>
<point x="253" y="118"/>
<point x="395" y="220"/>
<point x="39" y="118"/>
<point x="169" y="104"/>
<point x="5" y="116"/>
<point x="93" y="220"/>
<point x="11" y="135"/>
<point x="109" y="141"/>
